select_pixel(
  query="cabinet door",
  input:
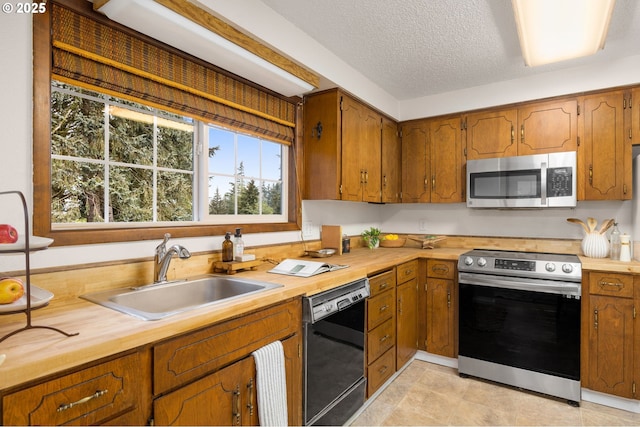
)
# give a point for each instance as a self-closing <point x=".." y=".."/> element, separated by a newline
<point x="407" y="322"/>
<point x="607" y="154"/>
<point x="441" y="333"/>
<point x="548" y="127"/>
<point x="415" y="162"/>
<point x="491" y="134"/>
<point x="361" y="152"/>
<point x="634" y="106"/>
<point x="321" y="146"/>
<point x="611" y="345"/>
<point x="447" y="161"/>
<point x="391" y="162"/>
<point x="226" y="397"/>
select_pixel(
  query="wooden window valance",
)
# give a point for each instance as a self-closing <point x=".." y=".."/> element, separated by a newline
<point x="94" y="55"/>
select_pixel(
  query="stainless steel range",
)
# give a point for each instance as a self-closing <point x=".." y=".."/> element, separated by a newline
<point x="520" y="320"/>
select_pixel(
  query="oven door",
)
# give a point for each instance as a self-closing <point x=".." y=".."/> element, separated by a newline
<point x="535" y="331"/>
<point x="334" y="363"/>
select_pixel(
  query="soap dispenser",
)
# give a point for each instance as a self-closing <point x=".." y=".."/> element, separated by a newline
<point x="238" y="245"/>
<point x="227" y="248"/>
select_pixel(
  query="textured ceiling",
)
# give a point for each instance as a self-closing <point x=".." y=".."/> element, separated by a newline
<point x="415" y="48"/>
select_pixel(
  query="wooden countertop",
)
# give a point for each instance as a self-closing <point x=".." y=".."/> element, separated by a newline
<point x="103" y="332"/>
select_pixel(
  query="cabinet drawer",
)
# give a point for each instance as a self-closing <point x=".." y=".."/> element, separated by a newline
<point x="380" y="308"/>
<point x="612" y="284"/>
<point x="407" y="271"/>
<point x="192" y="355"/>
<point x="380" y="340"/>
<point x="382" y="282"/>
<point x="380" y="371"/>
<point x="87" y="397"/>
<point x="441" y="269"/>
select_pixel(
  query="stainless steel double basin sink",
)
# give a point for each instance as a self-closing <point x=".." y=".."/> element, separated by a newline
<point x="157" y="301"/>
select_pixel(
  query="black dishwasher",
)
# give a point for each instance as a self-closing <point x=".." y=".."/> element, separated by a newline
<point x="334" y="383"/>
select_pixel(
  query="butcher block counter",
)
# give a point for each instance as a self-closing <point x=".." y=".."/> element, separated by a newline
<point x="103" y="332"/>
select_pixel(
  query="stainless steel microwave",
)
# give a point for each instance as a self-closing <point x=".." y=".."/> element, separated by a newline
<point x="535" y="181"/>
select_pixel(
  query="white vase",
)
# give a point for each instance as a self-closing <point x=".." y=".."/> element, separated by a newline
<point x="595" y="245"/>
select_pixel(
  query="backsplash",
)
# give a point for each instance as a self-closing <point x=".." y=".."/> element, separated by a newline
<point x="457" y="219"/>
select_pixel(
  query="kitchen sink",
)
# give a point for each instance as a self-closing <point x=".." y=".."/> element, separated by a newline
<point x="157" y="301"/>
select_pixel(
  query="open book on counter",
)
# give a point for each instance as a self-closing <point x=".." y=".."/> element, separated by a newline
<point x="301" y="268"/>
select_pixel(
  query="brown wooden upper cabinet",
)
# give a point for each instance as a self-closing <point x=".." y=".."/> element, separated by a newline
<point x="342" y="148"/>
<point x="605" y="165"/>
<point x="535" y="128"/>
<point x="491" y="134"/>
<point x="433" y="161"/>
<point x="634" y="104"/>
<point x="391" y="162"/>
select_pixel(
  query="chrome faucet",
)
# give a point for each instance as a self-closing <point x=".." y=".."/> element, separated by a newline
<point x="163" y="258"/>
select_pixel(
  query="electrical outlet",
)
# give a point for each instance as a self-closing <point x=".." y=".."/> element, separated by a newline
<point x="422" y="225"/>
<point x="307" y="229"/>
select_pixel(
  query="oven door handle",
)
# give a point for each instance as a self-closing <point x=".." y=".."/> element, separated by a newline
<point x="534" y="285"/>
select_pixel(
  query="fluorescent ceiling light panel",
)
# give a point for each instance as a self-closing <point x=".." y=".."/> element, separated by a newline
<point x="556" y="30"/>
<point x="167" y="26"/>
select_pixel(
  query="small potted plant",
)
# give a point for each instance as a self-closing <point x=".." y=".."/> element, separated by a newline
<point x="371" y="237"/>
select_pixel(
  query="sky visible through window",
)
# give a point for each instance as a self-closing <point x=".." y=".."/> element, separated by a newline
<point x="224" y="163"/>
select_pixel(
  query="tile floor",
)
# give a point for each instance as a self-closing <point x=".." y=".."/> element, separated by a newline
<point x="429" y="394"/>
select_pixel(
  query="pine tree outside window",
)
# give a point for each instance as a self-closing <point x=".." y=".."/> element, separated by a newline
<point x="115" y="161"/>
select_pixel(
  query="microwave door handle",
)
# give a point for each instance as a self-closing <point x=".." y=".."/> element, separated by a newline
<point x="543" y="184"/>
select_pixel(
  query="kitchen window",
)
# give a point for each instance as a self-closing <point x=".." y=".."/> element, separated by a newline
<point x="175" y="101"/>
<point x="116" y="161"/>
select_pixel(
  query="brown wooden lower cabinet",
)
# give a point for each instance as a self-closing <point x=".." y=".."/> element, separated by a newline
<point x="381" y="330"/>
<point x="610" y="334"/>
<point x="407" y="322"/>
<point x="225" y="397"/>
<point x="114" y="392"/>
<point x="195" y="371"/>
<point x="203" y="377"/>
<point x="441" y="308"/>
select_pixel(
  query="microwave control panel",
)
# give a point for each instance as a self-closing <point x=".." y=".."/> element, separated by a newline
<point x="559" y="182"/>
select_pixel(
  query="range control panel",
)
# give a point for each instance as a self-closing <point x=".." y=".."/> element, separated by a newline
<point x="526" y="264"/>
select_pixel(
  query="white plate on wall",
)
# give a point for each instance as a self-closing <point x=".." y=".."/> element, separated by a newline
<point x="39" y="297"/>
<point x="35" y="242"/>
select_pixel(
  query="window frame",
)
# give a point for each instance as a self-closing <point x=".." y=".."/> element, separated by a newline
<point x="42" y="226"/>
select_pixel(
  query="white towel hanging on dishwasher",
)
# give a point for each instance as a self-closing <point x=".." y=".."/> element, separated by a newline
<point x="271" y="384"/>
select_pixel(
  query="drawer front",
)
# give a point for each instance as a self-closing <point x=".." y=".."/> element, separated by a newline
<point x="382" y="282"/>
<point x="380" y="371"/>
<point x="90" y="396"/>
<point x="407" y="271"/>
<point x="441" y="269"/>
<point x="190" y="356"/>
<point x="380" y="308"/>
<point x="380" y="340"/>
<point x="611" y="284"/>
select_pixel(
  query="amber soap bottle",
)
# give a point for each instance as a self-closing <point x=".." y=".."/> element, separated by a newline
<point x="227" y="248"/>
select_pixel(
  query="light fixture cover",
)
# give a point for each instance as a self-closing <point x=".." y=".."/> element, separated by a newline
<point x="557" y="30"/>
<point x="157" y="21"/>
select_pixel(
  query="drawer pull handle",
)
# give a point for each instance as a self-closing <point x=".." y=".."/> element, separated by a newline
<point x="384" y="285"/>
<point x="408" y="272"/>
<point x="236" y="405"/>
<point x="440" y="268"/>
<point x="383" y="308"/>
<point x="384" y="338"/>
<point x="250" y="404"/>
<point x="65" y="406"/>
<point x="383" y="369"/>
<point x="602" y="283"/>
